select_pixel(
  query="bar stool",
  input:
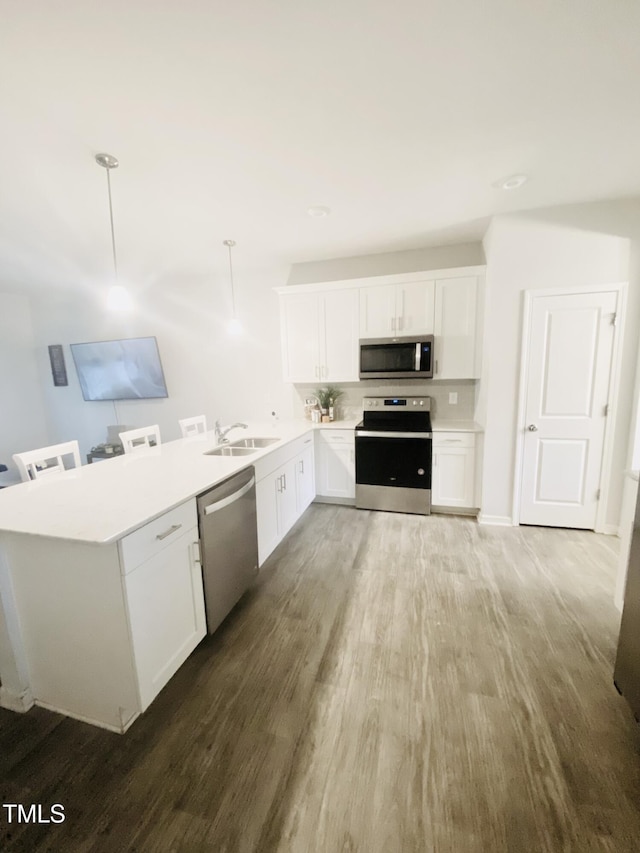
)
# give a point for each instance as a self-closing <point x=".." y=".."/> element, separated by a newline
<point x="46" y="461"/>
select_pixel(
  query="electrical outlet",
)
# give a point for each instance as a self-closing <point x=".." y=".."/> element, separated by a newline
<point x="453" y="398"/>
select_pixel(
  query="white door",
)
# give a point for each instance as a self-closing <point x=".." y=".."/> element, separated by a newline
<point x="569" y="362"/>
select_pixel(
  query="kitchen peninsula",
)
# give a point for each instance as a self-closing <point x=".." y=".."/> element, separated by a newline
<point x="90" y="559"/>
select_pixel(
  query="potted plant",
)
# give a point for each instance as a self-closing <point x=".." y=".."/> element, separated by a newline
<point x="327" y="397"/>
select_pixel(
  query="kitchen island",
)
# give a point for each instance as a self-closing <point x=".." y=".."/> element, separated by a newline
<point x="100" y="581"/>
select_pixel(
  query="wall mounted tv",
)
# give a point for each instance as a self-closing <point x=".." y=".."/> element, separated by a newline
<point x="129" y="369"/>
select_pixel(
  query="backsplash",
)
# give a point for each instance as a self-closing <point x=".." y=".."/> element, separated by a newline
<point x="350" y="404"/>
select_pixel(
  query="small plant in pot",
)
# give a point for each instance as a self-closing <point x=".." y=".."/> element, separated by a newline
<point x="327" y="397"/>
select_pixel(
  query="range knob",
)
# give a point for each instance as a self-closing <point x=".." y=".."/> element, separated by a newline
<point x="415" y="402"/>
<point x="422" y="402"/>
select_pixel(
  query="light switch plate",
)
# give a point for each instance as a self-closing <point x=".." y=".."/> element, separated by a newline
<point x="453" y="398"/>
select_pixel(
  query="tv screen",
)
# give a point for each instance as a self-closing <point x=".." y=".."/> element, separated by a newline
<point x="120" y="370"/>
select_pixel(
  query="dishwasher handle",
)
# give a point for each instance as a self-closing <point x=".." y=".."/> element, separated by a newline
<point x="218" y="505"/>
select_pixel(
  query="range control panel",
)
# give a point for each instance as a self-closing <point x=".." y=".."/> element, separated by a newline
<point x="401" y="403"/>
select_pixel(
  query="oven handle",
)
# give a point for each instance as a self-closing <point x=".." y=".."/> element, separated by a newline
<point x="361" y="433"/>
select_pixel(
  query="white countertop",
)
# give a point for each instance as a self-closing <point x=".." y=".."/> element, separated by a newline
<point x="102" y="502"/>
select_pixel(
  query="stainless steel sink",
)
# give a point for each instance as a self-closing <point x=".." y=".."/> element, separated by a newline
<point x="229" y="450"/>
<point x="253" y="442"/>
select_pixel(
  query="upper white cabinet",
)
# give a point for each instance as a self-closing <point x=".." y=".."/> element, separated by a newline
<point x="322" y="323"/>
<point x="397" y="309"/>
<point x="320" y="336"/>
<point x="456" y="328"/>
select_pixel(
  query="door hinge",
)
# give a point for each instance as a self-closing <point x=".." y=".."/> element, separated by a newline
<point x="598" y="495"/>
<point x="606" y="410"/>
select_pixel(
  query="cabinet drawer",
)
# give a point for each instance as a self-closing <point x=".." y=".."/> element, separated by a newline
<point x="158" y="534"/>
<point x="454" y="439"/>
<point x="337" y="437"/>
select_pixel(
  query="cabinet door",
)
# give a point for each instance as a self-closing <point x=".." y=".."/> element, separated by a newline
<point x="166" y="613"/>
<point x="378" y="311"/>
<point x="300" y="337"/>
<point x="336" y="466"/>
<point x="267" y="512"/>
<point x="286" y="497"/>
<point x="415" y="308"/>
<point x="339" y="336"/>
<point x="452" y="478"/>
<point x="455" y="328"/>
<point x="305" y="478"/>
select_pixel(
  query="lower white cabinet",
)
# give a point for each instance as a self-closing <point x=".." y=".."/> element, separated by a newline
<point x="453" y="470"/>
<point x="284" y="492"/>
<point x="166" y="613"/>
<point x="335" y="463"/>
<point x="106" y="626"/>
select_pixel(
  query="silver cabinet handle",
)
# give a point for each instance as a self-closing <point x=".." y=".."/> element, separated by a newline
<point x="279" y="481"/>
<point x="393" y="324"/>
<point x="453" y="440"/>
<point x="532" y="428"/>
<point x="168" y="532"/>
<point x="302" y="466"/>
<point x="284" y="482"/>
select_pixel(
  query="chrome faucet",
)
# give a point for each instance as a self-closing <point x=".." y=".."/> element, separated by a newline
<point x="221" y="432"/>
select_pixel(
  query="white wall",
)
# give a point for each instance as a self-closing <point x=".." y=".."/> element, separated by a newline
<point x="206" y="370"/>
<point x="561" y="247"/>
<point x="22" y="424"/>
<point x="389" y="263"/>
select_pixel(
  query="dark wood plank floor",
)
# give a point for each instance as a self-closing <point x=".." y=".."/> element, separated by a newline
<point x="391" y="683"/>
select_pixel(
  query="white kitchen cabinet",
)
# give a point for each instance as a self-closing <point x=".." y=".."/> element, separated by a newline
<point x="305" y="478"/>
<point x="335" y="464"/>
<point x="397" y="309"/>
<point x="166" y="613"/>
<point x="106" y="626"/>
<point x="453" y="470"/>
<point x="320" y="336"/>
<point x="456" y="323"/>
<point x="284" y="492"/>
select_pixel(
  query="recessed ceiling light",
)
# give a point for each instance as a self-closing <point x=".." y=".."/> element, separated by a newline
<point x="318" y="211"/>
<point x="513" y="182"/>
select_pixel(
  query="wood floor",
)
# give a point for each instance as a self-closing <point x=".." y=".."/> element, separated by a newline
<point x="392" y="683"/>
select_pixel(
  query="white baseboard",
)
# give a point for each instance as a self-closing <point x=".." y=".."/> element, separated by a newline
<point x="497" y="520"/>
<point x="119" y="730"/>
<point x="610" y="530"/>
<point x="20" y="702"/>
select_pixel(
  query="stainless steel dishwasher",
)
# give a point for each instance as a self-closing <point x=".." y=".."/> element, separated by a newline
<point x="228" y="543"/>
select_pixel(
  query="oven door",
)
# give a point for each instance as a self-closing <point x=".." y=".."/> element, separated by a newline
<point x="393" y="471"/>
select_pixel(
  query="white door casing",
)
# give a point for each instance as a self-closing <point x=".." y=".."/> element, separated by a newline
<point x="568" y="359"/>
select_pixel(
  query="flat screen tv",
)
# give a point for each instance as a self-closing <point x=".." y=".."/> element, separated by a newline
<point x="120" y="370"/>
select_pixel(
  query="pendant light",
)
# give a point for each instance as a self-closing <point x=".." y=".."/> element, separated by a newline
<point x="118" y="297"/>
<point x="234" y="326"/>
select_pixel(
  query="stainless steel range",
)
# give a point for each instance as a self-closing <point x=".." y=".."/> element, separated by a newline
<point x="393" y="455"/>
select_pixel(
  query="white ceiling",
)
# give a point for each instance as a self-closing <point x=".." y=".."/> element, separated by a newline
<point x="231" y="119"/>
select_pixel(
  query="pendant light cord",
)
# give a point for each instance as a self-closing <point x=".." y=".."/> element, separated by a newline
<point x="229" y="244"/>
<point x="113" y="233"/>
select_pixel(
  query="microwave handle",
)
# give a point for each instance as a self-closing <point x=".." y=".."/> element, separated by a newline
<point x="418" y="348"/>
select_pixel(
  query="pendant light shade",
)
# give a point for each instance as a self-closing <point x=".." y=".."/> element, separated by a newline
<point x="234" y="326"/>
<point x="118" y="297"/>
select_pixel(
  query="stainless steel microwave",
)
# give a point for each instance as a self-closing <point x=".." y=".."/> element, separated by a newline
<point x="396" y="358"/>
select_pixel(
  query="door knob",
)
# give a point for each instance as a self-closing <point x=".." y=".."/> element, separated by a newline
<point x="532" y="428"/>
